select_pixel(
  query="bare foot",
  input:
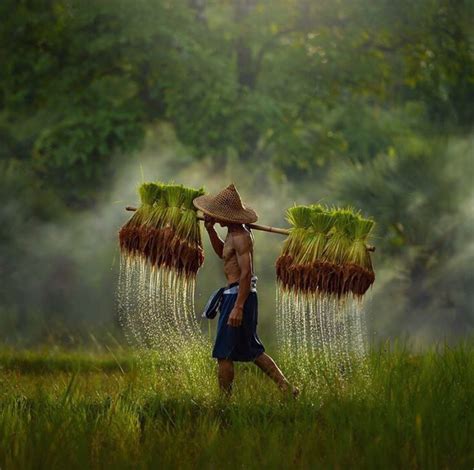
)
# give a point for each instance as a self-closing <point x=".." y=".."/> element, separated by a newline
<point x="287" y="389"/>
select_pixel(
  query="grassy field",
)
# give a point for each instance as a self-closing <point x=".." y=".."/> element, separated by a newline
<point x="117" y="410"/>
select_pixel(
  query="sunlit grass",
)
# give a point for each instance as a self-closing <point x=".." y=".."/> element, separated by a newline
<point x="79" y="410"/>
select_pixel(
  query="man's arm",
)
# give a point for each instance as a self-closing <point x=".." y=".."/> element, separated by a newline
<point x="243" y="248"/>
<point x="216" y="241"/>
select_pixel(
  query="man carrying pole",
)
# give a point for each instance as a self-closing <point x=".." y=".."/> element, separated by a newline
<point x="237" y="338"/>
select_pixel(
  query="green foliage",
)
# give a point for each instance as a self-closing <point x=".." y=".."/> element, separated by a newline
<point x="79" y="410"/>
<point x="299" y="84"/>
<point x="420" y="199"/>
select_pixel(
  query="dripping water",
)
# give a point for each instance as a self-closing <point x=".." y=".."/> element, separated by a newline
<point x="156" y="313"/>
<point x="322" y="338"/>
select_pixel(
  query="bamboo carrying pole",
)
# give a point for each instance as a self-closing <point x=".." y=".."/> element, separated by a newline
<point x="263" y="228"/>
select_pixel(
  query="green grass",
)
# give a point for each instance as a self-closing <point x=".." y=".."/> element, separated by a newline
<point x="80" y="410"/>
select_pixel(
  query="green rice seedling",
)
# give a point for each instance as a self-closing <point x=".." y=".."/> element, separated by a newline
<point x="341" y="236"/>
<point x="316" y="237"/>
<point x="326" y="251"/>
<point x="294" y="263"/>
<point x="188" y="244"/>
<point x="130" y="233"/>
<point x="358" y="253"/>
<point x="358" y="273"/>
<point x="163" y="267"/>
<point x="351" y="269"/>
<point x="188" y="228"/>
<point x="149" y="193"/>
<point x="174" y="197"/>
<point x="152" y="229"/>
<point x="300" y="219"/>
<point x="336" y="253"/>
<point x="180" y="244"/>
<point x="299" y="216"/>
<point x="189" y="195"/>
<point x="166" y="229"/>
<point x="310" y="261"/>
<point x="155" y="216"/>
<point x="72" y="409"/>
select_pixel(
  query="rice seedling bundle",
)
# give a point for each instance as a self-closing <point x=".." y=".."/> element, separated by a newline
<point x="161" y="253"/>
<point x="326" y="252"/>
<point x="323" y="271"/>
<point x="164" y="230"/>
<point x="129" y="235"/>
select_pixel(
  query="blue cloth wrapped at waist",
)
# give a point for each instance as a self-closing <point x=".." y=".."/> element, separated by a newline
<point x="215" y="300"/>
<point x="235" y="343"/>
<point x="234" y="287"/>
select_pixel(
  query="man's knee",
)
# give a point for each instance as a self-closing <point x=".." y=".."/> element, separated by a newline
<point x="225" y="365"/>
<point x="260" y="358"/>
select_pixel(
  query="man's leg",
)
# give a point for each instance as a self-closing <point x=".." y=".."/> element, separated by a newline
<point x="225" y="375"/>
<point x="267" y="364"/>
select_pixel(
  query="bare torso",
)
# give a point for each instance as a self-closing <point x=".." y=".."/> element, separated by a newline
<point x="229" y="255"/>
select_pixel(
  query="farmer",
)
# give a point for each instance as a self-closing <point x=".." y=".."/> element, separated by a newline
<point x="237" y="338"/>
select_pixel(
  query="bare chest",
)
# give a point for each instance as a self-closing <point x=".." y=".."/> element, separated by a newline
<point x="228" y="251"/>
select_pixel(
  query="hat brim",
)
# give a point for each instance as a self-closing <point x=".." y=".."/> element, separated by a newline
<point x="240" y="216"/>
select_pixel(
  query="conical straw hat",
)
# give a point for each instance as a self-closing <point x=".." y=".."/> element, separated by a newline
<point x="226" y="206"/>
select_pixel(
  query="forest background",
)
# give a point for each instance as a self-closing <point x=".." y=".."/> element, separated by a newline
<point x="367" y="103"/>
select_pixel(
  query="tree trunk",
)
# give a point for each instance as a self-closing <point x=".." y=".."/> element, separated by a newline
<point x="245" y="61"/>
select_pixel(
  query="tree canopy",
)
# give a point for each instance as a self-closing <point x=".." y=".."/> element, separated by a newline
<point x="294" y="83"/>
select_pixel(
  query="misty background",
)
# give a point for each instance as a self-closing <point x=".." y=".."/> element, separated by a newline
<point x="350" y="102"/>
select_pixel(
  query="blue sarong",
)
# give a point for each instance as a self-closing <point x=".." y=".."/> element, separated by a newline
<point x="238" y="343"/>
